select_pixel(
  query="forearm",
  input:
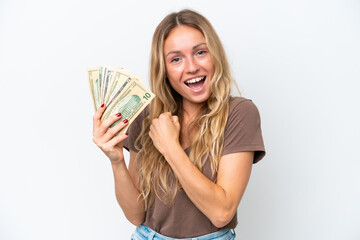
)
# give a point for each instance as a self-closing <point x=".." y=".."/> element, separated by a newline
<point x="210" y="198"/>
<point x="127" y="194"/>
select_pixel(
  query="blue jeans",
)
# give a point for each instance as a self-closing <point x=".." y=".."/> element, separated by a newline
<point x="144" y="233"/>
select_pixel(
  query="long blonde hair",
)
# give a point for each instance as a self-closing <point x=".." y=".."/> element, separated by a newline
<point x="208" y="139"/>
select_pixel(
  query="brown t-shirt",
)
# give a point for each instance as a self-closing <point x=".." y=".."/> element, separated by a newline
<point x="183" y="219"/>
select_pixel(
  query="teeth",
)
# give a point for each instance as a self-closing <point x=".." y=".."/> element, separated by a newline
<point x="194" y="80"/>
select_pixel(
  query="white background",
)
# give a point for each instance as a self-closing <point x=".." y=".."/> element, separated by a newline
<point x="299" y="61"/>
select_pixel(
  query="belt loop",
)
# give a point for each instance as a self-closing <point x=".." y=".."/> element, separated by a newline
<point x="151" y="235"/>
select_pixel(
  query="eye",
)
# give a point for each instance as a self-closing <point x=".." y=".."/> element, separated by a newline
<point x="175" y="60"/>
<point x="201" y="52"/>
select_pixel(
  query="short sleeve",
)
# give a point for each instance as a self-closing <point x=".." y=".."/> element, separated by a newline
<point x="134" y="131"/>
<point x="243" y="129"/>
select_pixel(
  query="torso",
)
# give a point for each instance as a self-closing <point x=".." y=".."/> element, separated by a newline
<point x="183" y="219"/>
<point x="185" y="136"/>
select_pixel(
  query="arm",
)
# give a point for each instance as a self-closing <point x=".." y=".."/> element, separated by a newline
<point x="125" y="185"/>
<point x="218" y="201"/>
<point x="126" y="191"/>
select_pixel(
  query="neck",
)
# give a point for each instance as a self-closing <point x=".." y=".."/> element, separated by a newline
<point x="190" y="113"/>
<point x="191" y="110"/>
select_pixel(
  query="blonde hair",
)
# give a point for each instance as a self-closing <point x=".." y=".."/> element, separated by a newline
<point x="208" y="139"/>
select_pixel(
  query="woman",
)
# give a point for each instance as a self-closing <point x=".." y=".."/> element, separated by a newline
<point x="192" y="150"/>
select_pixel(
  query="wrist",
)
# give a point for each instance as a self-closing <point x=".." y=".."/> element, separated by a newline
<point x="118" y="165"/>
<point x="172" y="150"/>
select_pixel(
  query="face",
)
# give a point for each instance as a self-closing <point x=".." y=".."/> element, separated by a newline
<point x="189" y="66"/>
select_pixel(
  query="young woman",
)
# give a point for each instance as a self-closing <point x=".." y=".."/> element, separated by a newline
<point x="192" y="150"/>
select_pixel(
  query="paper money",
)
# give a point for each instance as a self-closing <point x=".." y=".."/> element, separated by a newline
<point x="101" y="83"/>
<point x="107" y="74"/>
<point x="130" y="102"/>
<point x="118" y="83"/>
<point x="120" y="90"/>
<point x="93" y="79"/>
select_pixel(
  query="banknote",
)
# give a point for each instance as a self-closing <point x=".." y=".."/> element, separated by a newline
<point x="107" y="73"/>
<point x="130" y="102"/>
<point x="93" y="79"/>
<point x="118" y="82"/>
<point x="120" y="90"/>
<point x="100" y="83"/>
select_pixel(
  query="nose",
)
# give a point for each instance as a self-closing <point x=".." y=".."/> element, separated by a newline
<point x="192" y="66"/>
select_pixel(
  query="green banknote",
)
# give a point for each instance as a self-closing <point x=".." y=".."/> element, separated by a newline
<point x="107" y="74"/>
<point x="93" y="79"/>
<point x="120" y="90"/>
<point x="130" y="102"/>
<point x="118" y="82"/>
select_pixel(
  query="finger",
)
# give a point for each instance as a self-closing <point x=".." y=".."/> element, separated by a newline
<point x="154" y="122"/>
<point x="150" y="135"/>
<point x="168" y="114"/>
<point x="118" y="139"/>
<point x="165" y="115"/>
<point x="107" y="123"/>
<point x="175" y="119"/>
<point x="151" y="131"/>
<point x="97" y="116"/>
<point x="111" y="132"/>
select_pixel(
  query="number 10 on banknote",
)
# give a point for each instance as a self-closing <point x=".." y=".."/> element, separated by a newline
<point x="120" y="90"/>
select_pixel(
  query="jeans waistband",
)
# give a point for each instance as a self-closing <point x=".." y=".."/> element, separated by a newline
<point x="143" y="232"/>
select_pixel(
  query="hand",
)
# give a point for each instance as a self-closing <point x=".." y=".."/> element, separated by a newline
<point x="104" y="137"/>
<point x="165" y="132"/>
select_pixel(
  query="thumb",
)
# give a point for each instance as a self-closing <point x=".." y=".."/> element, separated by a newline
<point x="175" y="120"/>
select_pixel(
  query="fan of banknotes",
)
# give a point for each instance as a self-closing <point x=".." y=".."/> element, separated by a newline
<point x="120" y="90"/>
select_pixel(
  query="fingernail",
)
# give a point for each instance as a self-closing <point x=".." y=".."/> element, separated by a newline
<point x="118" y="114"/>
<point x="102" y="105"/>
<point x="125" y="121"/>
<point x="126" y="134"/>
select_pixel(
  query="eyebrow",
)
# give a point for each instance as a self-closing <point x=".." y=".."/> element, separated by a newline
<point x="194" y="47"/>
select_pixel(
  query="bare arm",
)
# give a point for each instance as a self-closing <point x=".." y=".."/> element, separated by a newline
<point x="126" y="191"/>
<point x="125" y="185"/>
<point x="218" y="201"/>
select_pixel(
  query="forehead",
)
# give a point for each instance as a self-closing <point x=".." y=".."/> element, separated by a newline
<point x="183" y="38"/>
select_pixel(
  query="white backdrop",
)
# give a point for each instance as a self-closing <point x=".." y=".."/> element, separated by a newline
<point x="297" y="60"/>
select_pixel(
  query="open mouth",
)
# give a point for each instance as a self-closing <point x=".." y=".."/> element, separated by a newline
<point x="196" y="83"/>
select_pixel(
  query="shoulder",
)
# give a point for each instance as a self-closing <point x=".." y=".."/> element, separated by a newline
<point x="243" y="128"/>
<point x="240" y="108"/>
<point x="236" y="102"/>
